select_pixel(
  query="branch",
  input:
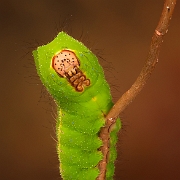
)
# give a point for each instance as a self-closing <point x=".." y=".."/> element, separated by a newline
<point x="138" y="85"/>
<point x="150" y="64"/>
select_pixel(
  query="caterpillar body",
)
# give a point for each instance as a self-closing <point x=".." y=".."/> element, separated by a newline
<point x="73" y="76"/>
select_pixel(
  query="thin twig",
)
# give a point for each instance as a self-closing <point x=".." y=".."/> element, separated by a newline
<point x="149" y="66"/>
<point x="138" y="85"/>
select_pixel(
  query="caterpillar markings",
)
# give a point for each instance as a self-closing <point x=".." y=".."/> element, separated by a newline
<point x="66" y="64"/>
<point x="73" y="76"/>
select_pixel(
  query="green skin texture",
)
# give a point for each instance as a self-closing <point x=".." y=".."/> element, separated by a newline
<point x="80" y="114"/>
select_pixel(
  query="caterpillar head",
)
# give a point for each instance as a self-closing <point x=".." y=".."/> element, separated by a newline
<point x="68" y="68"/>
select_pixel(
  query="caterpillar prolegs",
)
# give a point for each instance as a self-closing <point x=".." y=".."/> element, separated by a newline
<point x="73" y="76"/>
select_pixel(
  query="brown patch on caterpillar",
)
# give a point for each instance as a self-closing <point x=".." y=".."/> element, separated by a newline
<point x="66" y="64"/>
<point x="104" y="135"/>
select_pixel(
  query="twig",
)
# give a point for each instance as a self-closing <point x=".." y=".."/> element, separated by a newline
<point x="138" y="85"/>
<point x="149" y="66"/>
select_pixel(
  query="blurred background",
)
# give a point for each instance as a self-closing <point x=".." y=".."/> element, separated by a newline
<point x="120" y="32"/>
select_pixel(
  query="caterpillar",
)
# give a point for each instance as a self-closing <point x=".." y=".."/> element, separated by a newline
<point x="73" y="76"/>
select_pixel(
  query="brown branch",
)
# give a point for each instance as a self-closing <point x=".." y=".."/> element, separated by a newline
<point x="138" y="85"/>
<point x="149" y="66"/>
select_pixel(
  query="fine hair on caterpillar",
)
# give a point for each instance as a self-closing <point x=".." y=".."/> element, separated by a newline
<point x="77" y="107"/>
<point x="74" y="78"/>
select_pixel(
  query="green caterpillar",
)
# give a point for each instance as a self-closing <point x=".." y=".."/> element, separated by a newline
<point x="72" y="75"/>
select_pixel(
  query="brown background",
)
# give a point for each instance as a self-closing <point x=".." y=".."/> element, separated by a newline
<point x="121" y="30"/>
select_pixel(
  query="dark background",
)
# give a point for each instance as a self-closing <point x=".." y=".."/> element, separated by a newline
<point x="121" y="30"/>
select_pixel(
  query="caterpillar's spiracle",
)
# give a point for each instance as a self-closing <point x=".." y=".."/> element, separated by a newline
<point x="73" y="76"/>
